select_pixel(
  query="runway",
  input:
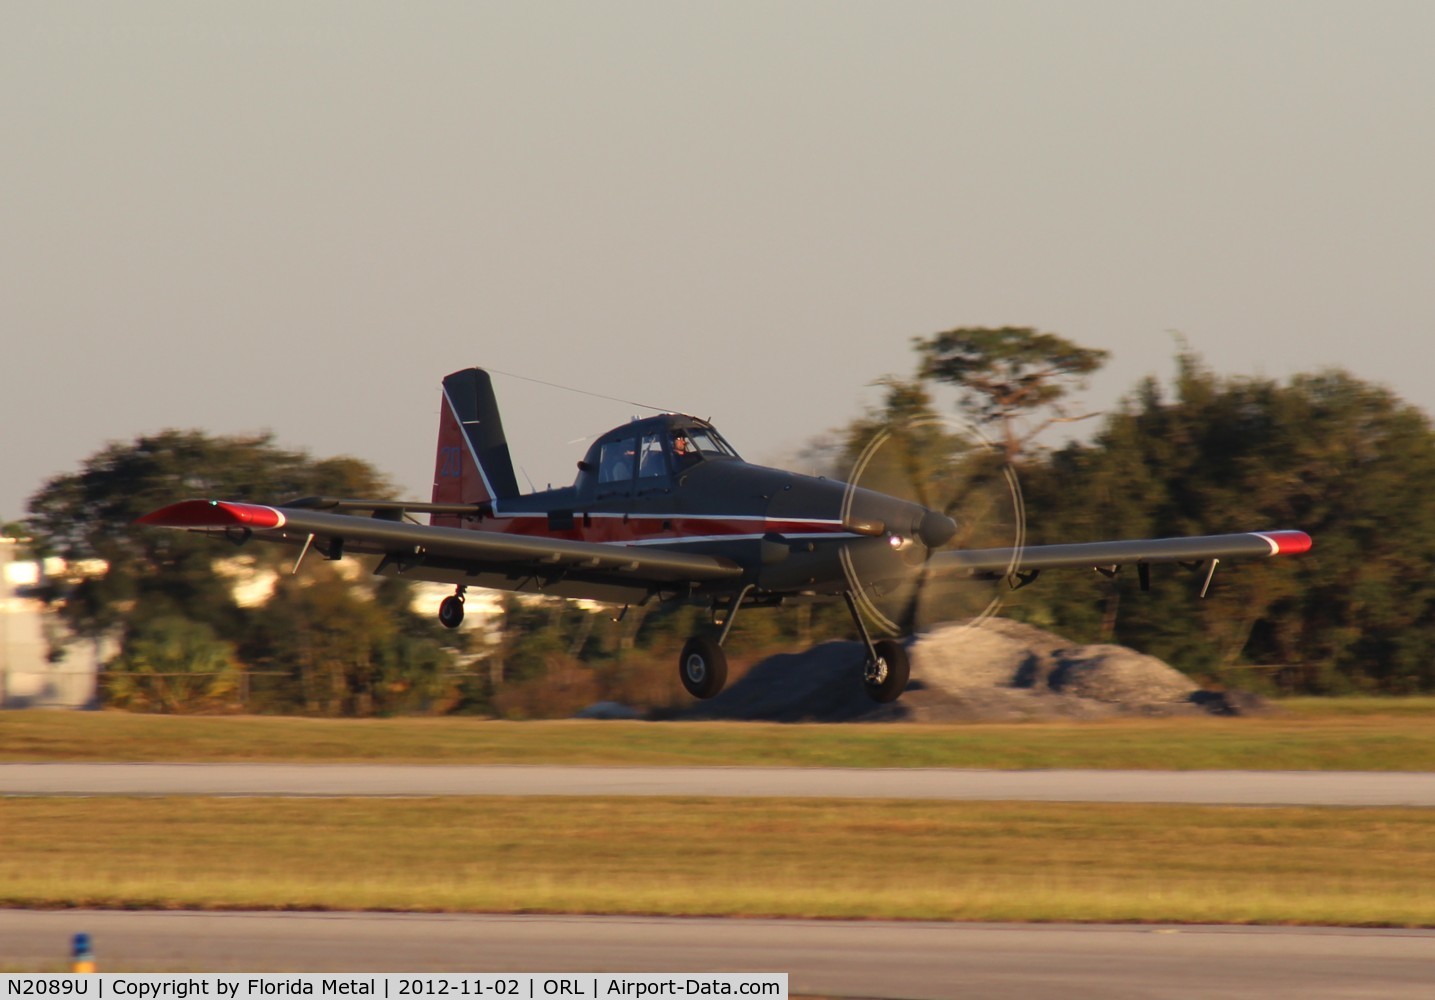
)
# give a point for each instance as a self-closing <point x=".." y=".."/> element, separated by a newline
<point x="1293" y="788"/>
<point x="832" y="958"/>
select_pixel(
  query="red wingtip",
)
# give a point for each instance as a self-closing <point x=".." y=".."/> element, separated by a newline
<point x="214" y="514"/>
<point x="1287" y="543"/>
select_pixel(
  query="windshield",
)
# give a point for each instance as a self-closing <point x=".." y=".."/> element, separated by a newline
<point x="709" y="442"/>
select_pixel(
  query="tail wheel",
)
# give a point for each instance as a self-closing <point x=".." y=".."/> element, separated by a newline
<point x="450" y="612"/>
<point x="885" y="678"/>
<point x="702" y="667"/>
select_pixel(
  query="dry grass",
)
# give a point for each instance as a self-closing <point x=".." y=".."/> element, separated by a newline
<point x="946" y="861"/>
<point x="1365" y="735"/>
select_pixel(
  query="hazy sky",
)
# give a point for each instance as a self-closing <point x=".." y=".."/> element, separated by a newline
<point x="300" y="216"/>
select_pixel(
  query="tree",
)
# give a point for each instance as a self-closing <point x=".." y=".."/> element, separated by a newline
<point x="1007" y="375"/>
<point x="172" y="664"/>
<point x="1343" y="459"/>
<point x="353" y="647"/>
<point x="90" y="514"/>
<point x="340" y="648"/>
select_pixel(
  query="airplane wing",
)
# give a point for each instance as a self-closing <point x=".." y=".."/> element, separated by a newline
<point x="1106" y="555"/>
<point x="452" y="555"/>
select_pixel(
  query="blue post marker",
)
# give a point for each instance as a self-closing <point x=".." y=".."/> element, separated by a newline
<point x="82" y="959"/>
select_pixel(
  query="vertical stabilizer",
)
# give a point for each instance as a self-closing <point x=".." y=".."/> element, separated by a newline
<point x="473" y="464"/>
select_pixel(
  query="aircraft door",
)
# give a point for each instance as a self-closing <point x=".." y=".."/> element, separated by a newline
<point x="617" y="465"/>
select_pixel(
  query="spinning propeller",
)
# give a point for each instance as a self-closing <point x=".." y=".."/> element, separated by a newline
<point x="933" y="484"/>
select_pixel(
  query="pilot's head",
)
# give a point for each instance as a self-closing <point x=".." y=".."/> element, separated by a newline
<point x="680" y="443"/>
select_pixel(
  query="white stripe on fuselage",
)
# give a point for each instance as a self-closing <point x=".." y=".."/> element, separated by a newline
<point x="684" y="539"/>
<point x="675" y="516"/>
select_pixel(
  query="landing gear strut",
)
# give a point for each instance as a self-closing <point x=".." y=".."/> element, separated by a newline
<point x="702" y="667"/>
<point x="450" y="612"/>
<point x="886" y="671"/>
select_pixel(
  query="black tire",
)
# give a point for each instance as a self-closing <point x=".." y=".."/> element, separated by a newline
<point x="888" y="680"/>
<point x="703" y="667"/>
<point x="450" y="612"/>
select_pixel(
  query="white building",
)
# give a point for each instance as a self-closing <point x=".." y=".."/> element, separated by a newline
<point x="28" y="678"/>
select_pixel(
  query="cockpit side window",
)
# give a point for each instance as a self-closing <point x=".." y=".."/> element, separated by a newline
<point x="616" y="460"/>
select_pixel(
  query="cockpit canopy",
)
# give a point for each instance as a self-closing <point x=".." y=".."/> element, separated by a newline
<point x="652" y="448"/>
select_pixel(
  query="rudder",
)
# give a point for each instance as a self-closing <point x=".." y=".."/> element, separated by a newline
<point x="473" y="464"/>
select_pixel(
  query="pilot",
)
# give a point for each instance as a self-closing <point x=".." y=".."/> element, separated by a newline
<point x="685" y="453"/>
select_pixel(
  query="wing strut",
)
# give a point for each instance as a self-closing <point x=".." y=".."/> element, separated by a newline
<point x="308" y="544"/>
<point x="1210" y="573"/>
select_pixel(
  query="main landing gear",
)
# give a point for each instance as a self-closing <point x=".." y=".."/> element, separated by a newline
<point x="702" y="667"/>
<point x="450" y="612"/>
<point x="886" y="670"/>
<point x="885" y="674"/>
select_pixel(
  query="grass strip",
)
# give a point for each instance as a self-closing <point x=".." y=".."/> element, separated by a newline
<point x="1356" y="737"/>
<point x="695" y="856"/>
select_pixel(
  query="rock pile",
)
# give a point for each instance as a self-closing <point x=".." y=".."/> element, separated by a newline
<point x="999" y="671"/>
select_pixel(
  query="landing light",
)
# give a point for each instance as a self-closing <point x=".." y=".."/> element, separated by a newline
<point x="897" y="542"/>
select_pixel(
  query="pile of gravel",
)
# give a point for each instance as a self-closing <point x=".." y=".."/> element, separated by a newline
<point x="999" y="671"/>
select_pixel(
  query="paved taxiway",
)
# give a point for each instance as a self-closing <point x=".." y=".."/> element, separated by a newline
<point x="1314" y="788"/>
<point x="834" y="958"/>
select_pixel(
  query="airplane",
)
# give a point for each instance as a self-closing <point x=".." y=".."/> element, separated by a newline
<point x="664" y="509"/>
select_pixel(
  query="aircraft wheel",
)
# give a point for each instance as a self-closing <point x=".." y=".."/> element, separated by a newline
<point x="702" y="667"/>
<point x="885" y="678"/>
<point x="450" y="612"/>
